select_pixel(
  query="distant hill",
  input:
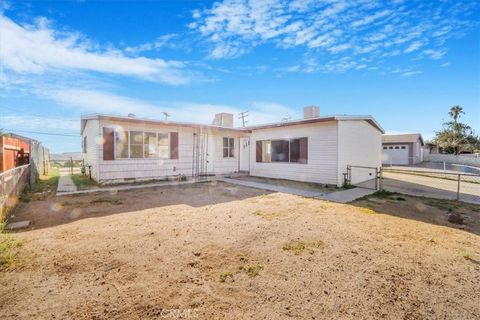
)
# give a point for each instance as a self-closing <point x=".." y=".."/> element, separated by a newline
<point x="76" y="156"/>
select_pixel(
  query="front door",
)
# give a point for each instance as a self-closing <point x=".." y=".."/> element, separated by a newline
<point x="244" y="154"/>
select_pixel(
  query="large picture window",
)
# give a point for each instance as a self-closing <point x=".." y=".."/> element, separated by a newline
<point x="290" y="151"/>
<point x="228" y="147"/>
<point x="119" y="144"/>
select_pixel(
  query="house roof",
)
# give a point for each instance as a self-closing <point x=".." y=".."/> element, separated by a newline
<point x="85" y="118"/>
<point x="368" y="119"/>
<point x="402" y="138"/>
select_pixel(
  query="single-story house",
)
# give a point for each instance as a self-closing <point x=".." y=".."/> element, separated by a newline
<point x="313" y="149"/>
<point x="402" y="149"/>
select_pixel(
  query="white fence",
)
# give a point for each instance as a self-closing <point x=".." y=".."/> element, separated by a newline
<point x="468" y="160"/>
<point x="12" y="183"/>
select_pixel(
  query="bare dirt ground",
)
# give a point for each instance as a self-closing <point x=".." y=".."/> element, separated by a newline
<point x="217" y="251"/>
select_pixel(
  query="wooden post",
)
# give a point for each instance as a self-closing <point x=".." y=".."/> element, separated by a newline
<point x="458" y="187"/>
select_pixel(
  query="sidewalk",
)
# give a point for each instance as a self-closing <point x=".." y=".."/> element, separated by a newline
<point x="65" y="184"/>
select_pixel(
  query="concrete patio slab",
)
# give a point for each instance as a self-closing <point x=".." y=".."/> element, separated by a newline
<point x="347" y="196"/>
<point x="270" y="187"/>
<point x="18" y="225"/>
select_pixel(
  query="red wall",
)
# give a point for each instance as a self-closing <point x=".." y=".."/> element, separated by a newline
<point x="8" y="151"/>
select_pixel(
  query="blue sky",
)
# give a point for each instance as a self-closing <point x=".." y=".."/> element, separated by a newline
<point x="403" y="62"/>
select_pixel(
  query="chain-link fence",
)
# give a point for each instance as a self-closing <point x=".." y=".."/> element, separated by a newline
<point x="12" y="183"/>
<point x="432" y="183"/>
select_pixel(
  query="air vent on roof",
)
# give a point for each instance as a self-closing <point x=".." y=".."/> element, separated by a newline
<point x="311" y="112"/>
<point x="131" y="115"/>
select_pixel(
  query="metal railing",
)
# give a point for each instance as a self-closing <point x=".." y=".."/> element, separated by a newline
<point x="362" y="176"/>
<point x="12" y="183"/>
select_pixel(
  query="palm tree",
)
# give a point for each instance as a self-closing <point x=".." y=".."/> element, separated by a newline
<point x="455" y="112"/>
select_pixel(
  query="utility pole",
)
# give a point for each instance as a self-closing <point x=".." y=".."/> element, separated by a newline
<point x="166" y="115"/>
<point x="243" y="115"/>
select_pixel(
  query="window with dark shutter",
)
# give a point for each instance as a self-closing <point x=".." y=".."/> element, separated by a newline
<point x="258" y="148"/>
<point x="108" y="144"/>
<point x="174" y="145"/>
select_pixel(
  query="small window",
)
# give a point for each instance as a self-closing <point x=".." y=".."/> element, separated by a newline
<point x="228" y="147"/>
<point x="390" y="148"/>
<point x="136" y="144"/>
<point x="385" y="148"/>
<point x="403" y="147"/>
<point x="396" y="148"/>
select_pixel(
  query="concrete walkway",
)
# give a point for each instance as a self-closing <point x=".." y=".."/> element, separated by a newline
<point x="343" y="196"/>
<point x="65" y="184"/>
<point x="132" y="187"/>
<point x="346" y="196"/>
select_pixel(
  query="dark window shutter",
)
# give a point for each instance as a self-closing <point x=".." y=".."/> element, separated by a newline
<point x="303" y="150"/>
<point x="174" y="145"/>
<point x="108" y="144"/>
<point x="259" y="151"/>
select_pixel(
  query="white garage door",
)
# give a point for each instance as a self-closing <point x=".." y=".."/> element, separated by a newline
<point x="395" y="154"/>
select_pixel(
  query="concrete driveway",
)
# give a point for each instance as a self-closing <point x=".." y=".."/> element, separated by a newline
<point x="430" y="187"/>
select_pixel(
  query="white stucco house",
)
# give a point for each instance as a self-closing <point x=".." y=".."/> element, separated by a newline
<point x="313" y="149"/>
<point x="402" y="149"/>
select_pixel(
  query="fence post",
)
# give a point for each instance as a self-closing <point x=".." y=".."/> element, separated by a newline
<point x="458" y="187"/>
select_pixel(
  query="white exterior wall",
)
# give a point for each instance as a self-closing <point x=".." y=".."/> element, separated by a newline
<point x="151" y="168"/>
<point x="360" y="144"/>
<point x="154" y="168"/>
<point x="417" y="153"/>
<point x="94" y="148"/>
<point x="220" y="164"/>
<point x="321" y="166"/>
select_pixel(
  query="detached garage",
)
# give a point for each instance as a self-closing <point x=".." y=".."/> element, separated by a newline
<point x="402" y="149"/>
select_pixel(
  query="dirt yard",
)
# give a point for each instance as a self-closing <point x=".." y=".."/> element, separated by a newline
<point x="217" y="251"/>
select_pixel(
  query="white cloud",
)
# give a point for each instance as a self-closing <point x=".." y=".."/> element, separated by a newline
<point x="161" y="42"/>
<point x="339" y="48"/>
<point x="410" y="73"/>
<point x="27" y="122"/>
<point x="413" y="46"/>
<point x="36" y="49"/>
<point x="379" y="29"/>
<point x="434" y="54"/>
<point x="94" y="101"/>
<point x="369" y="19"/>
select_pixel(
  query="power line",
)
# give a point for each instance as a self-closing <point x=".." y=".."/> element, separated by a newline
<point x="45" y="133"/>
<point x="24" y="113"/>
